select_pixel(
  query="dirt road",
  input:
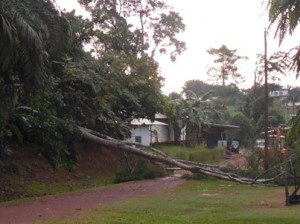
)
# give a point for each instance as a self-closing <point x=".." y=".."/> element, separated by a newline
<point x="76" y="204"/>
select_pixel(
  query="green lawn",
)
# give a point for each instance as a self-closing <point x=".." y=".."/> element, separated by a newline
<point x="208" y="201"/>
<point x="194" y="153"/>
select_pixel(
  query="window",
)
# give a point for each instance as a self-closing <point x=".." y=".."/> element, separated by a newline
<point x="138" y="139"/>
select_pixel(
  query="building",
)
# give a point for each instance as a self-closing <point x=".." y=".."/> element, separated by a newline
<point x="292" y="108"/>
<point x="148" y="132"/>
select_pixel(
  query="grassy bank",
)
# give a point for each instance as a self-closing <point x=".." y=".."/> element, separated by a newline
<point x="210" y="201"/>
<point x="194" y="153"/>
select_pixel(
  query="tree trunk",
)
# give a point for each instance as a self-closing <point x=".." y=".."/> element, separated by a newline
<point x="158" y="156"/>
<point x="194" y="168"/>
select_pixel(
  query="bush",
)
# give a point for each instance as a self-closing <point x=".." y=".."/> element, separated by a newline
<point x="143" y="170"/>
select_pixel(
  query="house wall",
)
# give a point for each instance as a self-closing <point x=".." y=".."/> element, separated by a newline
<point x="141" y="132"/>
<point x="162" y="133"/>
<point x="168" y="130"/>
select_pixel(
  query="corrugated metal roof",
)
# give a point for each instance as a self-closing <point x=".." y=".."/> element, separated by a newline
<point x="140" y="122"/>
<point x="225" y="126"/>
<point x="160" y="116"/>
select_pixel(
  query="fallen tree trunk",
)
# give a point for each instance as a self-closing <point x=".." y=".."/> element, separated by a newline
<point x="194" y="168"/>
<point x="156" y="155"/>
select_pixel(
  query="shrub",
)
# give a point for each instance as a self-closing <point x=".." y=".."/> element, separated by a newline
<point x="143" y="170"/>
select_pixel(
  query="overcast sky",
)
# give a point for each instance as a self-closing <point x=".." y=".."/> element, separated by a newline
<point x="239" y="24"/>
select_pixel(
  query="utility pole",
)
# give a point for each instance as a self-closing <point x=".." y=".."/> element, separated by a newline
<point x="254" y="84"/>
<point x="266" y="105"/>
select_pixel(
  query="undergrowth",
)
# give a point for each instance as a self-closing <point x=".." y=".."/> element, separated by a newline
<point x="142" y="170"/>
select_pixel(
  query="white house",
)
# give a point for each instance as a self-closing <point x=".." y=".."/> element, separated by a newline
<point x="147" y="132"/>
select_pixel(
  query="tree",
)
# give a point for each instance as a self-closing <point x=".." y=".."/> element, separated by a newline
<point x="158" y="156"/>
<point x="30" y="41"/>
<point x="196" y="87"/>
<point x="245" y="133"/>
<point x="193" y="113"/>
<point x="148" y="26"/>
<point x="286" y="16"/>
<point x="222" y="96"/>
<point x="226" y="61"/>
<point x="125" y="36"/>
<point x="278" y="64"/>
<point x="47" y="69"/>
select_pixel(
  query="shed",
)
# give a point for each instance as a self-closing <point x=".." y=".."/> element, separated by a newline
<point x="215" y="132"/>
<point x="147" y="132"/>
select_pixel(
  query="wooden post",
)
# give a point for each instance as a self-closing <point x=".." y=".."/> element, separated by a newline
<point x="266" y="106"/>
<point x="286" y="185"/>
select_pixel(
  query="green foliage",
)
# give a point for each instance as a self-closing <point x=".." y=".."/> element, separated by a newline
<point x="192" y="113"/>
<point x="254" y="109"/>
<point x="285" y="16"/>
<point x="56" y="140"/>
<point x="221" y="96"/>
<point x="277" y="66"/>
<point x="59" y="154"/>
<point x="293" y="134"/>
<point x="254" y="166"/>
<point x="15" y="130"/>
<point x="143" y="170"/>
<point x="226" y="62"/>
<point x="245" y="133"/>
<point x="45" y="72"/>
<point x="116" y="30"/>
<point x="198" y="153"/>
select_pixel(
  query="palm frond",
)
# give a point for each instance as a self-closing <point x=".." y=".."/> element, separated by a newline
<point x="31" y="52"/>
<point x="7" y="43"/>
<point x="294" y="132"/>
<point x="295" y="65"/>
<point x="286" y="14"/>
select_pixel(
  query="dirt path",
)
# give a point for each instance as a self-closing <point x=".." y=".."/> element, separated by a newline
<point x="76" y="204"/>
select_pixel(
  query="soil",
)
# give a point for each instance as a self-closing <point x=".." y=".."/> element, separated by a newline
<point x="26" y="166"/>
<point x="29" y="166"/>
<point x="235" y="161"/>
<point x="78" y="203"/>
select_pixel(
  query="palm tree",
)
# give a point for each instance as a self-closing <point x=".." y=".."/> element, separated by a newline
<point x="29" y="37"/>
<point x="30" y="40"/>
<point x="286" y="16"/>
<point x="193" y="113"/>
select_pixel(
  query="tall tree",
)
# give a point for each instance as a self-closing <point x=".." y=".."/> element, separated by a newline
<point x="278" y="64"/>
<point x="193" y="113"/>
<point x="149" y="26"/>
<point x="285" y="15"/>
<point x="30" y="42"/>
<point x="196" y="87"/>
<point x="226" y="69"/>
<point x="126" y="35"/>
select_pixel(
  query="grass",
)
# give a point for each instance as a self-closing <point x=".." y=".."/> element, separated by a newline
<point x="37" y="189"/>
<point x="200" y="202"/>
<point x="194" y="153"/>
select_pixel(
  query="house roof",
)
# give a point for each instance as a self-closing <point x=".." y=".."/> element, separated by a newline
<point x="147" y="122"/>
<point x="160" y="116"/>
<point x="220" y="127"/>
<point x="224" y="126"/>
